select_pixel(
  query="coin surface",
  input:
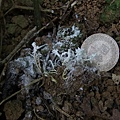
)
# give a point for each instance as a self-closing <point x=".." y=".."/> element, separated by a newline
<point x="105" y="49"/>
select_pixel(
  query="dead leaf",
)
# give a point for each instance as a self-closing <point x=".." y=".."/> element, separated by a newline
<point x="13" y="109"/>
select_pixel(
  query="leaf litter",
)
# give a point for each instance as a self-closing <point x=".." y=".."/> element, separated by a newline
<point x="70" y="87"/>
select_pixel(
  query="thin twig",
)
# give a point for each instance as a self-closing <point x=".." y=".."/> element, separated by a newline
<point x="112" y="2"/>
<point x="45" y="26"/>
<point x="66" y="12"/>
<point x="31" y="34"/>
<point x="3" y="71"/>
<point x="26" y="8"/>
<point x="61" y="111"/>
<point x="31" y="83"/>
<point x="14" y="6"/>
<point x="25" y="40"/>
<point x="37" y="115"/>
<point x="9" y="10"/>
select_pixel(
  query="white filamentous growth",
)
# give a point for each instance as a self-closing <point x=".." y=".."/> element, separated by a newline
<point x="37" y="63"/>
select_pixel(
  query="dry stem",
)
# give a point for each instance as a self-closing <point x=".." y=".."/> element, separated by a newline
<point x="33" y="82"/>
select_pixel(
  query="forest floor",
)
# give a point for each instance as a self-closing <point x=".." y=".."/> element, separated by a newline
<point x="45" y="97"/>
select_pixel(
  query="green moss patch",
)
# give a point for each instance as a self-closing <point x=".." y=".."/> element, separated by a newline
<point x="111" y="11"/>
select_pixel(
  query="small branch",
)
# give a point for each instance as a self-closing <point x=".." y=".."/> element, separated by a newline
<point x="3" y="70"/>
<point x="61" y="111"/>
<point x="25" y="40"/>
<point x="45" y="26"/>
<point x="26" y="8"/>
<point x="30" y="35"/>
<point x="112" y="2"/>
<point x="18" y="7"/>
<point x="14" y="6"/>
<point x="33" y="82"/>
<point x="9" y="10"/>
<point x="70" y="5"/>
<point x="37" y="115"/>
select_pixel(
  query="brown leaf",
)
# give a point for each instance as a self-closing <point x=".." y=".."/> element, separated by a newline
<point x="13" y="109"/>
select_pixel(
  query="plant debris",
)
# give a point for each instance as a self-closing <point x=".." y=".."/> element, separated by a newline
<point x="47" y="75"/>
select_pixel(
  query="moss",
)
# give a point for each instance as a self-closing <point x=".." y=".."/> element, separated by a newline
<point x="111" y="11"/>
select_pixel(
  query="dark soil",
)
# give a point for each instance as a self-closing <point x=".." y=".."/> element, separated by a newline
<point x="47" y="100"/>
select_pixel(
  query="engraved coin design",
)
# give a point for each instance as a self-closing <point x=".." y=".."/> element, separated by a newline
<point x="105" y="49"/>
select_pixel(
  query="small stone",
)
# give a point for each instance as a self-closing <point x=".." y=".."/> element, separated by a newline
<point x="106" y="95"/>
<point x="109" y="82"/>
<point x="118" y="89"/>
<point x="117" y="100"/>
<point x="116" y="79"/>
<point x="98" y="95"/>
<point x="79" y="113"/>
<point x="109" y="103"/>
<point x="20" y="20"/>
<point x="101" y="107"/>
<point x="94" y="101"/>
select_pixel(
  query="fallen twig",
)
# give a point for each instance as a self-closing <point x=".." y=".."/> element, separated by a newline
<point x="31" y="34"/>
<point x="31" y="83"/>
<point x="66" y="12"/>
<point x="18" y="7"/>
<point x="3" y="71"/>
<point x="27" y="8"/>
<point x="25" y="40"/>
<point x="62" y="112"/>
<point x="37" y="115"/>
<point x="45" y="26"/>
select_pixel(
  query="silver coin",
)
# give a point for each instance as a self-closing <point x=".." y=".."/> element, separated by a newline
<point x="105" y="49"/>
